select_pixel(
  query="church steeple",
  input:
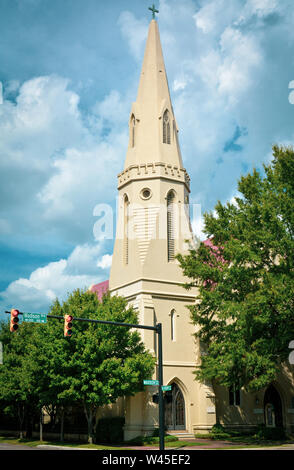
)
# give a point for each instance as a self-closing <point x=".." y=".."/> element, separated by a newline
<point x="153" y="218"/>
<point x="153" y="129"/>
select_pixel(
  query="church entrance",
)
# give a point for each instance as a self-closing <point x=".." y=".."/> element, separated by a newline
<point x="273" y="408"/>
<point x="174" y="409"/>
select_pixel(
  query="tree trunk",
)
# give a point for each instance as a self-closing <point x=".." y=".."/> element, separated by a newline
<point x="21" y="415"/>
<point x="89" y="416"/>
<point x="41" y="425"/>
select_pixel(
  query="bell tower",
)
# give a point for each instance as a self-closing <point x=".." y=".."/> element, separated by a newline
<point x="153" y="225"/>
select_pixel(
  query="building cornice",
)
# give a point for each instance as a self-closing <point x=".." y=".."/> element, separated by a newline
<point x="151" y="171"/>
<point x="139" y="289"/>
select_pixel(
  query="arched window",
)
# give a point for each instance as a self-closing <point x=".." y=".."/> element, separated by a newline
<point x="173" y="325"/>
<point x="126" y="230"/>
<point x="133" y="124"/>
<point x="170" y="226"/>
<point x="166" y="128"/>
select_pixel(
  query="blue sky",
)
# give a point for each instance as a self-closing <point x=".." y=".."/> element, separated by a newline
<point x="69" y="71"/>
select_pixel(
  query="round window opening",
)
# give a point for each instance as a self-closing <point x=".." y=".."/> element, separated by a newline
<point x="145" y="193"/>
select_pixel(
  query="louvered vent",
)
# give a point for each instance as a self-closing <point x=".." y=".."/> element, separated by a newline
<point x="126" y="231"/>
<point x="145" y="221"/>
<point x="170" y="227"/>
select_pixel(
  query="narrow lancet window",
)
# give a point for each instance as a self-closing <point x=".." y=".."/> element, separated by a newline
<point x="170" y="226"/>
<point x="133" y="125"/>
<point x="173" y="325"/>
<point x="166" y="128"/>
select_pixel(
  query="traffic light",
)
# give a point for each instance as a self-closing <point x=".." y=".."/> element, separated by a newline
<point x="68" y="325"/>
<point x="14" y="319"/>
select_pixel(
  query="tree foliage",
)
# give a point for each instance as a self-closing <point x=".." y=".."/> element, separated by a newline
<point x="245" y="276"/>
<point x="94" y="367"/>
<point x="17" y="383"/>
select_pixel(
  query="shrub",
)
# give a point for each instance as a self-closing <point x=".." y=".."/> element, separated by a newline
<point x="147" y="440"/>
<point x="219" y="432"/>
<point x="217" y="429"/>
<point x="110" y="430"/>
<point x="271" y="434"/>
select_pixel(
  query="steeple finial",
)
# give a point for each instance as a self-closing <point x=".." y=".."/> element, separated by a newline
<point x="153" y="11"/>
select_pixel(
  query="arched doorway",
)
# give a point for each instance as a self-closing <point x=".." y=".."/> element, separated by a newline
<point x="174" y="408"/>
<point x="273" y="412"/>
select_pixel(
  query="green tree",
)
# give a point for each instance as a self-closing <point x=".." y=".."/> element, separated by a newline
<point x="245" y="278"/>
<point x="17" y="385"/>
<point x="48" y="353"/>
<point x="98" y="363"/>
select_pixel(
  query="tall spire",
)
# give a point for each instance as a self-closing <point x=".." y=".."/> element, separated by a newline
<point x="152" y="140"/>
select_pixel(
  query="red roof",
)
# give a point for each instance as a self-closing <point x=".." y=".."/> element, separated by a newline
<point x="100" y="288"/>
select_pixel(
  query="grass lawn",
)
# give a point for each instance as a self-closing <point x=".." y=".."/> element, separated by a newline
<point x="237" y="442"/>
<point x="35" y="443"/>
<point x="176" y="444"/>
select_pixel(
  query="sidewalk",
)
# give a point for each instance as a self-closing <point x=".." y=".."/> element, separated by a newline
<point x="204" y="444"/>
<point x="207" y="444"/>
<point x="210" y="445"/>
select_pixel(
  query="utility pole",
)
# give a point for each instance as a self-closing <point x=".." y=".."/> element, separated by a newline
<point x="160" y="398"/>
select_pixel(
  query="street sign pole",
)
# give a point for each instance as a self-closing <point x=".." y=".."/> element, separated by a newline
<point x="160" y="378"/>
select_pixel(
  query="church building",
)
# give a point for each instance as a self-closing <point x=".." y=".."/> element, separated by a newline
<point x="153" y="225"/>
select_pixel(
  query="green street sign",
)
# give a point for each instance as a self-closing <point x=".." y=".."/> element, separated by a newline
<point x="151" y="382"/>
<point x="166" y="388"/>
<point x="35" y="317"/>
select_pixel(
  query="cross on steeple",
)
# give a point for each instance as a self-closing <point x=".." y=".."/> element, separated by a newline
<point x="153" y="11"/>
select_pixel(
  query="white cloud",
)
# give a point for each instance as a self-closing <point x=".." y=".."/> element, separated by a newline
<point x="261" y="7"/>
<point x="113" y="108"/>
<point x="60" y="163"/>
<point x="212" y="17"/>
<point x="44" y="119"/>
<point x="105" y="261"/>
<point x="179" y="84"/>
<point x="206" y="18"/>
<point x="135" y="32"/>
<point x="241" y="54"/>
<point x="198" y="227"/>
<point x="43" y="101"/>
<point x="57" y="279"/>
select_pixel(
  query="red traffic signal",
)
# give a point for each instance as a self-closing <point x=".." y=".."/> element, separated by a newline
<point x="68" y="325"/>
<point x="14" y="319"/>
